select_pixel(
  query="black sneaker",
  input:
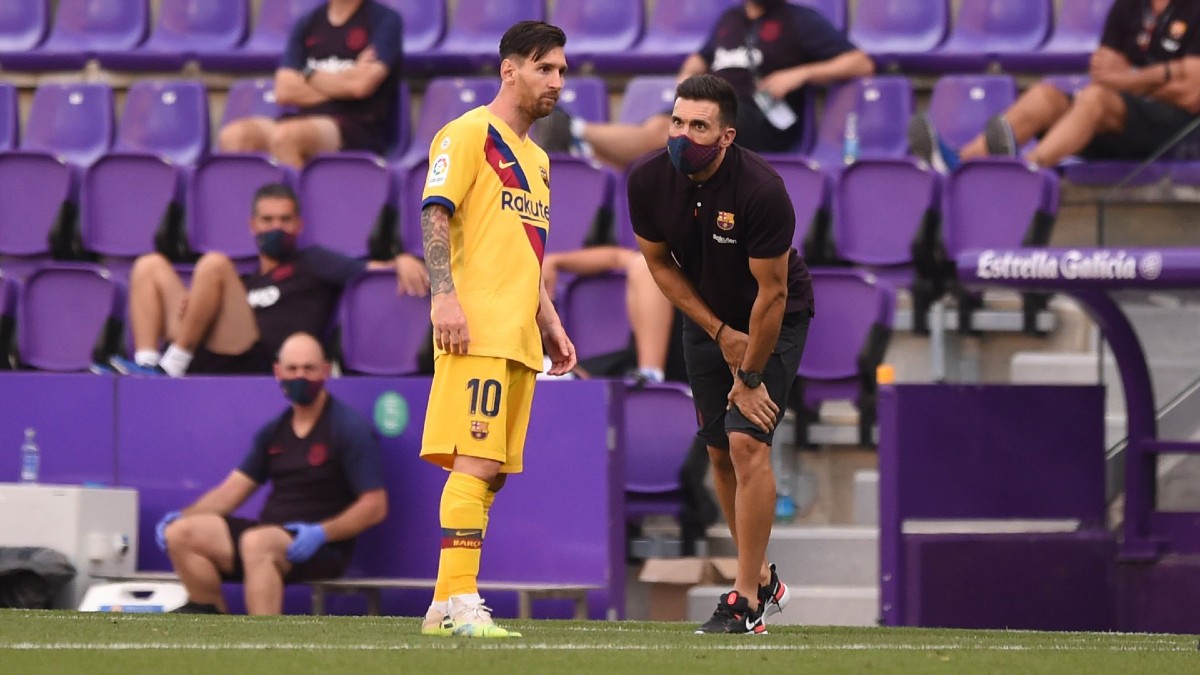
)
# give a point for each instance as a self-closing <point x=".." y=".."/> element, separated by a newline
<point x="733" y="615"/>
<point x="196" y="608"/>
<point x="773" y="597"/>
<point x="926" y="145"/>
<point x="999" y="137"/>
<point x="553" y="132"/>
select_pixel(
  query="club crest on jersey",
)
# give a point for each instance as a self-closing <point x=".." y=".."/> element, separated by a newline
<point x="479" y="430"/>
<point x="725" y="220"/>
<point x="545" y="175"/>
<point x="318" y="453"/>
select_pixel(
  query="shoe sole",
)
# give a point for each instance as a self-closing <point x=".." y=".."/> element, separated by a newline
<point x="922" y="142"/>
<point x="999" y="139"/>
<point x="776" y="605"/>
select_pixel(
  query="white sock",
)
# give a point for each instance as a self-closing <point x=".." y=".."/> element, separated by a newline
<point x="651" y="374"/>
<point x="440" y="607"/>
<point x="147" y="357"/>
<point x="467" y="599"/>
<point x="175" y="361"/>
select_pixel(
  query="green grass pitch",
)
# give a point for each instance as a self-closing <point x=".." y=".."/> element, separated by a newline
<point x="34" y="642"/>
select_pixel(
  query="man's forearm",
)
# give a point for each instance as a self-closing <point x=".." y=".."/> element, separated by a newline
<point x="356" y="83"/>
<point x="291" y="89"/>
<point x="435" y="234"/>
<point x="369" y="509"/>
<point x="766" y="317"/>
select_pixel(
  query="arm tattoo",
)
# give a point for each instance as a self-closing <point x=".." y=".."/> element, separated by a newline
<point x="435" y="231"/>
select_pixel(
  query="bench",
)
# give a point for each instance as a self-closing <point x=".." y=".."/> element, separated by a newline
<point x="372" y="588"/>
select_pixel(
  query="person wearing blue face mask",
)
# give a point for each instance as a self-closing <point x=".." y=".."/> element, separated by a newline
<point x="324" y="464"/>
<point x="227" y="323"/>
<point x="715" y="224"/>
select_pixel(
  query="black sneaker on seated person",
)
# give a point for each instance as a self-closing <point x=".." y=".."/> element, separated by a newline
<point x="734" y="615"/>
<point x="190" y="607"/>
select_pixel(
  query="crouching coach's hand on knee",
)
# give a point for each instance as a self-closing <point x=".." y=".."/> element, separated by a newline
<point x="308" y="537"/>
<point x="160" y="530"/>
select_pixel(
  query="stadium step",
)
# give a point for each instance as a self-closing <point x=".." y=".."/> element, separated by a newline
<point x="809" y="606"/>
<point x="816" y="556"/>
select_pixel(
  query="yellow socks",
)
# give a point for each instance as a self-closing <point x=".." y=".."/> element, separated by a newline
<point x="463" y="516"/>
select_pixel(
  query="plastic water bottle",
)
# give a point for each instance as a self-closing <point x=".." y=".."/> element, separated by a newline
<point x="781" y="459"/>
<point x="31" y="458"/>
<point x="850" y="139"/>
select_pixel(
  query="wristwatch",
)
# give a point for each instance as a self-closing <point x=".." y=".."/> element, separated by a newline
<point x="751" y="380"/>
<point x="308" y="72"/>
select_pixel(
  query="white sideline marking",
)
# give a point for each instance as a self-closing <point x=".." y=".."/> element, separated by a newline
<point x="517" y="645"/>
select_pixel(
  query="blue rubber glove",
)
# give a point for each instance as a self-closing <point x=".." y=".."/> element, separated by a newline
<point x="308" y="538"/>
<point x="160" y="530"/>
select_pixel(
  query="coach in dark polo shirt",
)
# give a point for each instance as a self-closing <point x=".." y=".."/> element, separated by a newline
<point x="715" y="224"/>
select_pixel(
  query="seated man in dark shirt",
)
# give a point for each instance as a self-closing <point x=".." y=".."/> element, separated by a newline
<point x="1145" y="88"/>
<point x="341" y="70"/>
<point x="769" y="50"/>
<point x="230" y="324"/>
<point x="325" y="469"/>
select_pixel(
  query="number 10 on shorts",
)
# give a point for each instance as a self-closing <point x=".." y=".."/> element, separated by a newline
<point x="485" y="397"/>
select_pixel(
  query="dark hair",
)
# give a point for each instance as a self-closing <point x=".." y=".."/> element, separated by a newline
<point x="275" y="191"/>
<point x="711" y="88"/>
<point x="530" y="40"/>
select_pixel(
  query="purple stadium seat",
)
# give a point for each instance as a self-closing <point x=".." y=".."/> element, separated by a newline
<point x="882" y="206"/>
<point x="185" y="30"/>
<point x="253" y="97"/>
<point x="342" y="196"/>
<point x="660" y="424"/>
<point x="262" y="50"/>
<point x="808" y="188"/>
<point x="9" y="117"/>
<point x="167" y="118"/>
<point x="985" y="29"/>
<point x="23" y="24"/>
<point x="71" y="120"/>
<point x="846" y="342"/>
<point x="445" y="99"/>
<point x="424" y="22"/>
<point x="34" y="189"/>
<point x="646" y="96"/>
<point x="81" y="28"/>
<point x="1109" y="172"/>
<point x="112" y="224"/>
<point x="62" y="312"/>
<point x="585" y="96"/>
<point x="580" y="190"/>
<point x="473" y="31"/>
<point x="883" y="105"/>
<point x="890" y="31"/>
<point x="408" y="186"/>
<point x="674" y="31"/>
<point x="1076" y="35"/>
<point x="219" y="196"/>
<point x="599" y="29"/>
<point x="382" y="332"/>
<point x="962" y="104"/>
<point x="993" y="203"/>
<point x="833" y="10"/>
<point x="9" y="288"/>
<point x="593" y="313"/>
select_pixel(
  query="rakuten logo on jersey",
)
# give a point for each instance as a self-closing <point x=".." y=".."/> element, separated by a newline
<point x="525" y="205"/>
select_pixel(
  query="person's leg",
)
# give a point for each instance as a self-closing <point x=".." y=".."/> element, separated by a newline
<point x="1033" y="112"/>
<point x="1095" y="110"/>
<point x="296" y="140"/>
<point x="264" y="563"/>
<point x="620" y="144"/>
<point x="156" y="296"/>
<point x="650" y="317"/>
<point x="201" y="550"/>
<point x="754" y="510"/>
<point x="217" y="314"/>
<point x="249" y="134"/>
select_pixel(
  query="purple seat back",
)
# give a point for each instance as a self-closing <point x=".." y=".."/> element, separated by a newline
<point x="382" y="332"/>
<point x="275" y="21"/>
<point x="990" y="203"/>
<point x="849" y="303"/>
<point x="646" y="96"/>
<point x="1079" y="25"/>
<point x="23" y="24"/>
<point x="165" y="117"/>
<point x="252" y="97"/>
<point x="424" y="22"/>
<point x="44" y="184"/>
<point x="9" y="117"/>
<point x="219" y="202"/>
<point x="580" y="189"/>
<point x="882" y="104"/>
<point x="90" y="25"/>
<point x="600" y="26"/>
<point x="887" y="26"/>
<point x="660" y="423"/>
<point x="188" y="26"/>
<point x="72" y="120"/>
<point x="477" y="25"/>
<point x="962" y="104"/>
<point x="593" y="314"/>
<point x="341" y="197"/>
<point x="680" y="27"/>
<point x="807" y="186"/>
<point x="444" y="100"/>
<point x="833" y="10"/>
<point x="409" y="185"/>
<point x="881" y="206"/>
<point x="111" y="223"/>
<point x="61" y="314"/>
<point x="1000" y="26"/>
<point x="585" y="97"/>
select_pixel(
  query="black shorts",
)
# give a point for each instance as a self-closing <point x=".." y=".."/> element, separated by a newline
<point x="356" y="133"/>
<point x="329" y="562"/>
<point x="711" y="380"/>
<point x="257" y="360"/>
<point x="1148" y="125"/>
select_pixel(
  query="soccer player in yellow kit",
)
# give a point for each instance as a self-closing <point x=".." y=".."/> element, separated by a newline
<point x="484" y="218"/>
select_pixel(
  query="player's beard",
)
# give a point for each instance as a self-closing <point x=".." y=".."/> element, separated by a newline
<point x="542" y="106"/>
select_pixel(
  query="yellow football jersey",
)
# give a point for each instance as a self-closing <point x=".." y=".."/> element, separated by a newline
<point x="497" y="189"/>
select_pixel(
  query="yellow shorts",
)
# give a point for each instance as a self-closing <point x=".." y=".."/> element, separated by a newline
<point x="478" y="406"/>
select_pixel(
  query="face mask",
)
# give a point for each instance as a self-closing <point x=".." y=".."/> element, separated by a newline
<point x="690" y="157"/>
<point x="276" y="244"/>
<point x="302" y="391"/>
